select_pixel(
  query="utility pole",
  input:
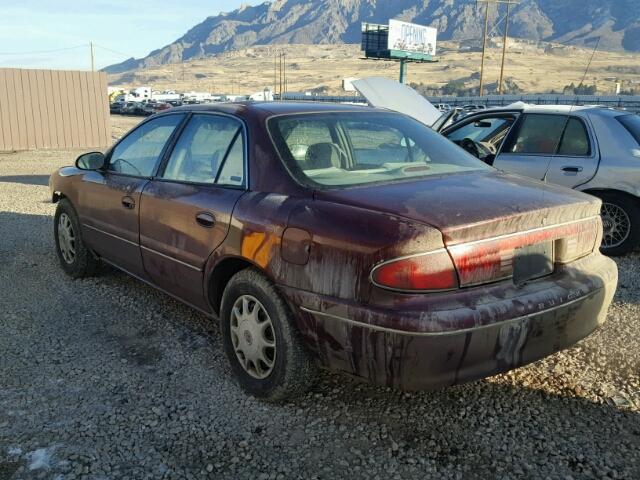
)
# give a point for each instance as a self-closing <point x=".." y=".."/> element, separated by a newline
<point x="504" y="45"/>
<point x="275" y="74"/>
<point x="93" y="65"/>
<point x="484" y="43"/>
<point x="284" y="70"/>
<point x="484" y="39"/>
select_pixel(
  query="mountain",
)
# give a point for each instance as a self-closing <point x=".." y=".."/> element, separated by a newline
<point x="577" y="22"/>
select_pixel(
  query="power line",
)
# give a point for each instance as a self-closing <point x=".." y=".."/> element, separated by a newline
<point x="39" y="52"/>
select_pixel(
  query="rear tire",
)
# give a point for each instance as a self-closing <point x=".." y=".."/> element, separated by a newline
<point x="621" y="223"/>
<point x="75" y="258"/>
<point x="265" y="351"/>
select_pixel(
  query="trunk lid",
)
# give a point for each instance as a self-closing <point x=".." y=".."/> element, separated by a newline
<point x="472" y="206"/>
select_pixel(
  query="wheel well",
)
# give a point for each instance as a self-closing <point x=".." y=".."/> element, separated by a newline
<point x="595" y="193"/>
<point x="220" y="276"/>
<point x="56" y="196"/>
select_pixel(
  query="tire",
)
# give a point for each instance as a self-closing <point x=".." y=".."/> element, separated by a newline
<point x="621" y="223"/>
<point x="75" y="258"/>
<point x="288" y="371"/>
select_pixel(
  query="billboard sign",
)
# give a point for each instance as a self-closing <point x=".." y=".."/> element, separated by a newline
<point x="412" y="38"/>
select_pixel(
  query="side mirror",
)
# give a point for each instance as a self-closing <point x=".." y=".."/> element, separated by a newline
<point x="90" y="161"/>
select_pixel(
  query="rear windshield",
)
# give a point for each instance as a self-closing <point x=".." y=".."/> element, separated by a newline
<point x="631" y="123"/>
<point x="356" y="148"/>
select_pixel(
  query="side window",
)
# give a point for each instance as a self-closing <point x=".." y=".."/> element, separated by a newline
<point x="207" y="143"/>
<point x="138" y="153"/>
<point x="575" y="141"/>
<point x="482" y="130"/>
<point x="539" y="134"/>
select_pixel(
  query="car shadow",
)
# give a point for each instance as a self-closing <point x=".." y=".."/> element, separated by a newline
<point x="26" y="179"/>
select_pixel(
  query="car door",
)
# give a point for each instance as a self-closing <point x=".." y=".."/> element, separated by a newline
<point x="482" y="134"/>
<point x="556" y="147"/>
<point x="109" y="199"/>
<point x="577" y="158"/>
<point x="186" y="209"/>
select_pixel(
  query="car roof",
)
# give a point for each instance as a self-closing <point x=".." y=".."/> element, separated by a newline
<point x="275" y="108"/>
<point x="560" y="109"/>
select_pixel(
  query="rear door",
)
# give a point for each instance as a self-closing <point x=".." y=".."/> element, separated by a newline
<point x="559" y="145"/>
<point x="109" y="201"/>
<point x="186" y="209"/>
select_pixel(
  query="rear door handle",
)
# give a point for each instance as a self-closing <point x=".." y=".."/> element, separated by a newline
<point x="205" y="219"/>
<point x="571" y="169"/>
<point x="128" y="202"/>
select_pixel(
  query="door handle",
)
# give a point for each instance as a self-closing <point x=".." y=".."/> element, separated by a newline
<point x="571" y="169"/>
<point x="205" y="219"/>
<point x="127" y="202"/>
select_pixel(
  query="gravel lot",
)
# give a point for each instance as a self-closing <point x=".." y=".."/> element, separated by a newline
<point x="107" y="378"/>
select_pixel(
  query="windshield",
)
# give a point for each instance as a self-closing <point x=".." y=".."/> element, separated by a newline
<point x="355" y="148"/>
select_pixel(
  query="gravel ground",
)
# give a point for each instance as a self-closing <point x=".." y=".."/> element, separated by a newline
<point x="107" y="378"/>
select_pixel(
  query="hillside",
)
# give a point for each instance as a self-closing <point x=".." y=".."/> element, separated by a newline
<point x="577" y="22"/>
<point x="531" y="67"/>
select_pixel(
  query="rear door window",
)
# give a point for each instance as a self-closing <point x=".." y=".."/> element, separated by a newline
<point x="201" y="154"/>
<point x="632" y="124"/>
<point x="575" y="140"/>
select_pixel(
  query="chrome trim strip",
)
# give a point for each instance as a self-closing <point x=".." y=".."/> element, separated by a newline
<point x="378" y="328"/>
<point x="523" y="232"/>
<point x="171" y="258"/>
<point x="110" y="234"/>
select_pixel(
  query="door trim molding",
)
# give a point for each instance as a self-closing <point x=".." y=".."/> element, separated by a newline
<point x="188" y="265"/>
<point x="110" y="234"/>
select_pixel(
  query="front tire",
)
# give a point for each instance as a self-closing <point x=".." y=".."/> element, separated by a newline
<point x="75" y="258"/>
<point x="621" y="224"/>
<point x="265" y="351"/>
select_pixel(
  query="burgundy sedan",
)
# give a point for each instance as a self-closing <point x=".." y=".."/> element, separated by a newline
<point x="339" y="236"/>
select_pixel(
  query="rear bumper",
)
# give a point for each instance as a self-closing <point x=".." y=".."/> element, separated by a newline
<point x="458" y="341"/>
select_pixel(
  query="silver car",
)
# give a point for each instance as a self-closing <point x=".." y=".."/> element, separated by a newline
<point x="592" y="149"/>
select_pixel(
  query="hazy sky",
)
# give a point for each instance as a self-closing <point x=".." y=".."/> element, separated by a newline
<point x="31" y="29"/>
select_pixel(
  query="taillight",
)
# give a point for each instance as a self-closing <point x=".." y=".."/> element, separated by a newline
<point x="431" y="271"/>
<point x="492" y="259"/>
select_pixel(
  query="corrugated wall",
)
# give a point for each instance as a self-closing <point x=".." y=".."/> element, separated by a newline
<point x="53" y="109"/>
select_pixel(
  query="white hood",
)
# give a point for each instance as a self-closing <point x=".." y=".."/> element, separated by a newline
<point x="392" y="95"/>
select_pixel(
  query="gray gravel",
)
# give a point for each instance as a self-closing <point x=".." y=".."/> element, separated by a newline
<point x="107" y="378"/>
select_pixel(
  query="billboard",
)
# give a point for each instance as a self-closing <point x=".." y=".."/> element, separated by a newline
<point x="409" y="37"/>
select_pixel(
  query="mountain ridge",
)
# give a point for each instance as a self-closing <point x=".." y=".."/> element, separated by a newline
<point x="575" y="22"/>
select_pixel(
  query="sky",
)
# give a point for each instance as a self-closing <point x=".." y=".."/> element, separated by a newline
<point x="56" y="33"/>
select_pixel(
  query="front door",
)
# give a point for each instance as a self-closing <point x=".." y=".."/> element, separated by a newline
<point x="110" y="198"/>
<point x="186" y="210"/>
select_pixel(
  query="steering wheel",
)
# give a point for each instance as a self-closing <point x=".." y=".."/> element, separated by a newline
<point x="470" y="146"/>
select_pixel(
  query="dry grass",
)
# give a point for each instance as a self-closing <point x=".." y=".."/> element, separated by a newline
<point x="533" y="68"/>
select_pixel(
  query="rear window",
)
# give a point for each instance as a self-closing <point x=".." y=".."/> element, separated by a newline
<point x="352" y="148"/>
<point x="632" y="124"/>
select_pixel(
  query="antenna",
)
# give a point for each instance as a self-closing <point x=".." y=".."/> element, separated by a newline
<point x="566" y="122"/>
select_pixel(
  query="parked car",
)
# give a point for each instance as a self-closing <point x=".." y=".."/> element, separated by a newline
<point x="592" y="149"/>
<point x="349" y="237"/>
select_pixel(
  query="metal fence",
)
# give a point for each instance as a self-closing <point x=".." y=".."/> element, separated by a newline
<point x="628" y="102"/>
<point x="53" y="109"/>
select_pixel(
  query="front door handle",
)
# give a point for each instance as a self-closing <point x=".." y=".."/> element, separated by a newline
<point x="205" y="219"/>
<point x="572" y="169"/>
<point x="128" y="202"/>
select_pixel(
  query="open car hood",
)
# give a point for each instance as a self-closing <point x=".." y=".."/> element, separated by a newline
<point x="392" y="95"/>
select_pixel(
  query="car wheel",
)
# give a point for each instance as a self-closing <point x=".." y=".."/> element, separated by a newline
<point x="75" y="258"/>
<point x="265" y="351"/>
<point x="621" y="224"/>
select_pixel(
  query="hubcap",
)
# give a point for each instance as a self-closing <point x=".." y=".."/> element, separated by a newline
<point x="253" y="336"/>
<point x="66" y="238"/>
<point x="616" y="225"/>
